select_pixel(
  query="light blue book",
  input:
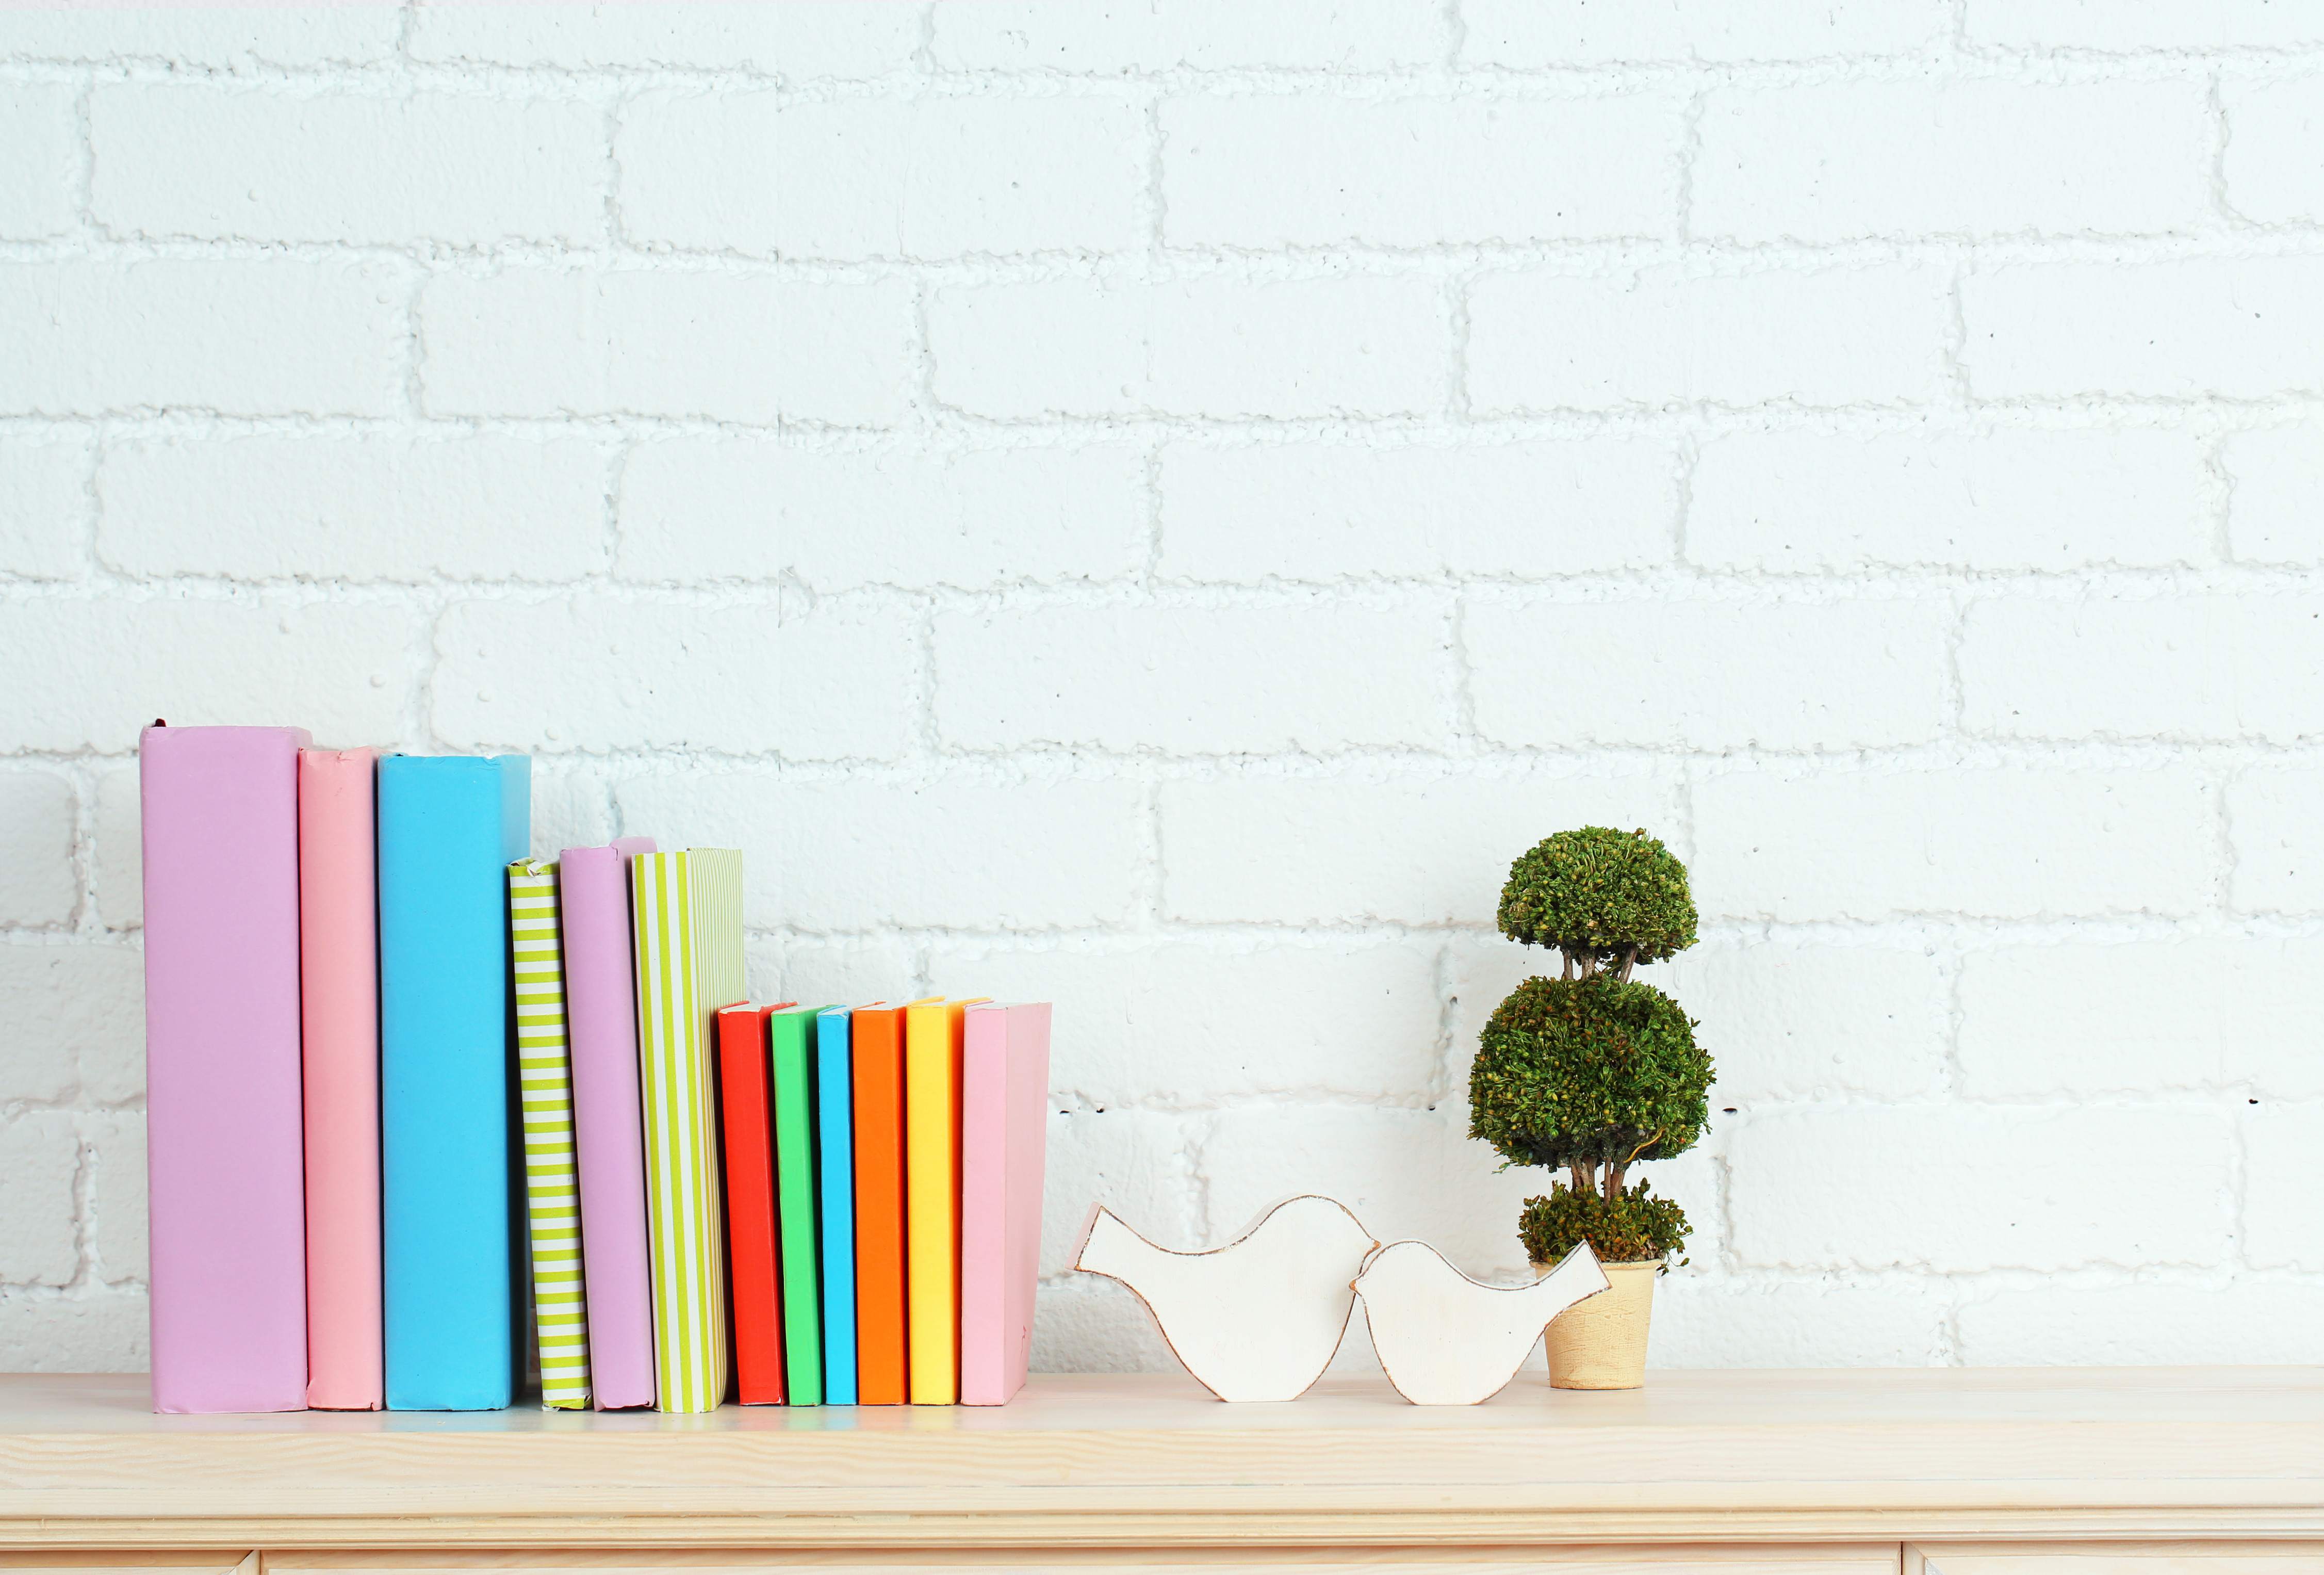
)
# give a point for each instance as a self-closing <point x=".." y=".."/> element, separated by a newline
<point x="834" y="1083"/>
<point x="448" y="828"/>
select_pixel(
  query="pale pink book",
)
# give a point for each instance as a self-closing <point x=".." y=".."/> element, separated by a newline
<point x="601" y="1018"/>
<point x="222" y="1127"/>
<point x="338" y="989"/>
<point x="1004" y="1113"/>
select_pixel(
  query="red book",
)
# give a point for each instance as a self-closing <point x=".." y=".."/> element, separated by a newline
<point x="882" y="1367"/>
<point x="752" y="1258"/>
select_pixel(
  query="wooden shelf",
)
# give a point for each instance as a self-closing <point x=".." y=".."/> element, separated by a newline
<point x="1129" y="1462"/>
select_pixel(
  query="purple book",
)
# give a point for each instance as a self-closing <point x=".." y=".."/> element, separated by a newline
<point x="224" y="1126"/>
<point x="602" y="1025"/>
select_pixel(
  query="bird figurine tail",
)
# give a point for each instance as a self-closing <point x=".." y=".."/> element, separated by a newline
<point x="1110" y="1247"/>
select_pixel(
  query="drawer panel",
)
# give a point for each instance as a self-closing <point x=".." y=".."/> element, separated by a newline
<point x="2115" y="1559"/>
<point x="1723" y="1559"/>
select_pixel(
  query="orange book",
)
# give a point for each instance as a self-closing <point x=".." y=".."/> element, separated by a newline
<point x="752" y="1258"/>
<point x="933" y="1036"/>
<point x="877" y="1041"/>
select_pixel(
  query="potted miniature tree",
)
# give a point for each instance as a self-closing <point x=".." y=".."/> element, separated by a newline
<point x="1594" y="1071"/>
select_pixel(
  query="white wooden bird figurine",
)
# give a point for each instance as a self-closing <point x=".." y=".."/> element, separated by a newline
<point x="1257" y="1319"/>
<point x="1446" y="1339"/>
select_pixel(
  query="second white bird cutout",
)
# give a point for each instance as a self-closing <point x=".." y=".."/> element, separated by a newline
<point x="1446" y="1339"/>
<point x="1257" y="1319"/>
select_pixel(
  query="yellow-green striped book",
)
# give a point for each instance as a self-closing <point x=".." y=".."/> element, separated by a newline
<point x="687" y="909"/>
<point x="553" y="1180"/>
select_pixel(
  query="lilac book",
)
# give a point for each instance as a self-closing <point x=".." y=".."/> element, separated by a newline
<point x="224" y="1122"/>
<point x="608" y="1128"/>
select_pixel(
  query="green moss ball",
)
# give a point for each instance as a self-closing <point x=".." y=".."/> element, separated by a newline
<point x="1598" y="891"/>
<point x="1590" y="1069"/>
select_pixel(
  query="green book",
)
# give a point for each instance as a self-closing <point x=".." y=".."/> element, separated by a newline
<point x="552" y="1185"/>
<point x="686" y="911"/>
<point x="790" y="1041"/>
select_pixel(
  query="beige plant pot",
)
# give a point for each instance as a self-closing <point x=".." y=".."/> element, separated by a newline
<point x="1601" y="1343"/>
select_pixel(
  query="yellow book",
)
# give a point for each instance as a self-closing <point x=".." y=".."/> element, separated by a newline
<point x="932" y="1056"/>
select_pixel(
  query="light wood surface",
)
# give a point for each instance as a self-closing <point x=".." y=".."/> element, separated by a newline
<point x="1588" y="1558"/>
<point x="2163" y="1558"/>
<point x="1141" y="1462"/>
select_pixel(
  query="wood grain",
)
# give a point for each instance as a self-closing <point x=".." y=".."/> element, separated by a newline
<point x="2154" y="1558"/>
<point x="1140" y="1461"/>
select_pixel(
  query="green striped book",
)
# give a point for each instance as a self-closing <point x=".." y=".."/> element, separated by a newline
<point x="553" y="1180"/>
<point x="687" y="909"/>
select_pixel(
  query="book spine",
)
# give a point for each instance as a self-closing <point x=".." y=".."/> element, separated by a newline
<point x="600" y="1008"/>
<point x="932" y="1202"/>
<point x="448" y="828"/>
<point x="881" y="1361"/>
<point x="983" y="1204"/>
<point x="789" y="1036"/>
<point x="224" y="1126"/>
<point x="681" y="1161"/>
<point x="1027" y="1155"/>
<point x="752" y="1258"/>
<point x="835" y="1104"/>
<point x="552" y="1194"/>
<point x="338" y="993"/>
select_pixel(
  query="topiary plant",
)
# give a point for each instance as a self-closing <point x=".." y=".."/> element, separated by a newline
<point x="1590" y="1070"/>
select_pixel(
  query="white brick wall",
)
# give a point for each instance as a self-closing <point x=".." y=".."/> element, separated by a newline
<point x="454" y="170"/>
<point x="1851" y="159"/>
<point x="1153" y="504"/>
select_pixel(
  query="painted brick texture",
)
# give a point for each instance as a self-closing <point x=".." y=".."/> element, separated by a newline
<point x="1153" y="505"/>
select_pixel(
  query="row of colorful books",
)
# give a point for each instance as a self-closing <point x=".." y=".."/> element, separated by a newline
<point x="351" y="963"/>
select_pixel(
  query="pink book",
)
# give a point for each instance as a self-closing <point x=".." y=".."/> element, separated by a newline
<point x="1004" y="1122"/>
<point x="608" y="1127"/>
<point x="338" y="978"/>
<point x="222" y="1079"/>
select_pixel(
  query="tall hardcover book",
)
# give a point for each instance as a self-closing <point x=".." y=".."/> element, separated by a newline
<point x="876" y="1035"/>
<point x="754" y="1253"/>
<point x="553" y="1180"/>
<point x="601" y="1008"/>
<point x="932" y="1054"/>
<point x="223" y="1130"/>
<point x="1004" y="1110"/>
<point x="338" y="1003"/>
<point x="687" y="910"/>
<point x="448" y="828"/>
<point x="834" y="1204"/>
<point x="790" y="1046"/>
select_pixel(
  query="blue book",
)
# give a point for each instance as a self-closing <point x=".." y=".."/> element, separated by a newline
<point x="835" y="1084"/>
<point x="448" y="827"/>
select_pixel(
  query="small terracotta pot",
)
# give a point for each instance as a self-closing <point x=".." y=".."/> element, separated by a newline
<point x="1601" y="1343"/>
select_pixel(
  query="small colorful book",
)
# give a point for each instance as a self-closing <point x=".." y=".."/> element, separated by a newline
<point x="338" y="1010"/>
<point x="448" y="827"/>
<point x="876" y="1037"/>
<point x="223" y="1109"/>
<point x="791" y="1052"/>
<point x="1003" y="1136"/>
<point x="932" y="1052"/>
<point x="600" y="1009"/>
<point x="687" y="909"/>
<point x="834" y="1112"/>
<point x="754" y="1253"/>
<point x="553" y="1180"/>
